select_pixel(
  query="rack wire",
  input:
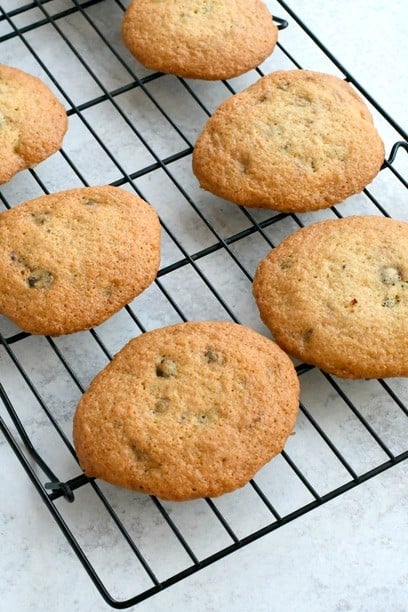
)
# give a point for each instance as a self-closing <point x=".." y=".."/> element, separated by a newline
<point x="136" y="129"/>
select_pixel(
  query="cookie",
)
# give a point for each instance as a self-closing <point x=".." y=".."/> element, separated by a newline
<point x="335" y="294"/>
<point x="295" y="141"/>
<point x="32" y="122"/>
<point x="192" y="410"/>
<point x="68" y="261"/>
<point x="199" y="39"/>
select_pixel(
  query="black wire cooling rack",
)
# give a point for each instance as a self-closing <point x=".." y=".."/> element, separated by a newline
<point x="136" y="129"/>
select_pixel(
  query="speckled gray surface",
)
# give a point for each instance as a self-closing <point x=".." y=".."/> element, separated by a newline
<point x="350" y="554"/>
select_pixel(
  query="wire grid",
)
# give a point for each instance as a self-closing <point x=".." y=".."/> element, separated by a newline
<point x="136" y="129"/>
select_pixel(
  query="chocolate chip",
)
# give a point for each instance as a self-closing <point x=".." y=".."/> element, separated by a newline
<point x="161" y="405"/>
<point x="390" y="275"/>
<point x="208" y="416"/>
<point x="204" y="8"/>
<point x="138" y="453"/>
<point x="40" y="218"/>
<point x="243" y="165"/>
<point x="212" y="356"/>
<point x="166" y="368"/>
<point x="89" y="203"/>
<point x="40" y="279"/>
<point x="107" y="291"/>
<point x="308" y="334"/>
<point x="390" y="302"/>
<point x="286" y="263"/>
<point x="303" y="101"/>
<point x="17" y="259"/>
<point x="147" y="461"/>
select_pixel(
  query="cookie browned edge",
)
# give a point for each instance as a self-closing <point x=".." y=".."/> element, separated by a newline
<point x="271" y="411"/>
<point x="206" y="61"/>
<point x="41" y="123"/>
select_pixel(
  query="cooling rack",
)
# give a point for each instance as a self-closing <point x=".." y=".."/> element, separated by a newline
<point x="135" y="129"/>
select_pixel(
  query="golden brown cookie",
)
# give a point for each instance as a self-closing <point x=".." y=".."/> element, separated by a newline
<point x="32" y="122"/>
<point x="192" y="410"/>
<point x="335" y="294"/>
<point x="295" y="141"/>
<point x="199" y="39"/>
<point x="69" y="260"/>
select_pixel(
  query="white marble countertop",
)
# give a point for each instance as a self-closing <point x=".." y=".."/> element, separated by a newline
<point x="350" y="554"/>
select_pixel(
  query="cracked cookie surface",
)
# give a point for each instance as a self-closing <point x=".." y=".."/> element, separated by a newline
<point x="294" y="141"/>
<point x="201" y="39"/>
<point x="186" y="411"/>
<point x="69" y="260"/>
<point x="335" y="294"/>
<point x="32" y="122"/>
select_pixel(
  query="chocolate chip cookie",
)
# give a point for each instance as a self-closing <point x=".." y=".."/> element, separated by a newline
<point x="295" y="141"/>
<point x="32" y="122"/>
<point x="192" y="410"/>
<point x="199" y="39"/>
<point x="69" y="260"/>
<point x="335" y="294"/>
